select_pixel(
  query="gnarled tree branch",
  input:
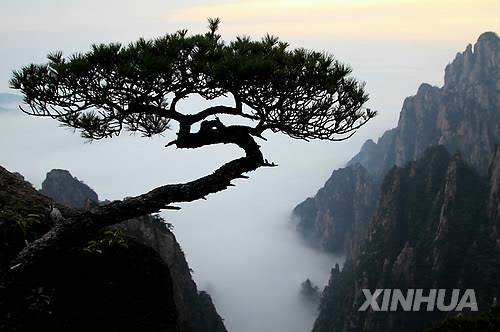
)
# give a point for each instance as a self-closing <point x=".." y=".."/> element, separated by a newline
<point x="76" y="230"/>
<point x="302" y="94"/>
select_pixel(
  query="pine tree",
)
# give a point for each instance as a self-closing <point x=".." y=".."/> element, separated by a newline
<point x="115" y="88"/>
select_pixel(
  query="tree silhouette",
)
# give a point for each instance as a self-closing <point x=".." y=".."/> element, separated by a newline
<point x="115" y="88"/>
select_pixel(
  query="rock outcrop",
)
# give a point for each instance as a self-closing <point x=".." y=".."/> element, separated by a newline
<point x="65" y="189"/>
<point x="24" y="214"/>
<point x="309" y="293"/>
<point x="436" y="219"/>
<point x="336" y="219"/>
<point x="494" y="197"/>
<point x="431" y="230"/>
<point x="130" y="277"/>
<point x="196" y="312"/>
<point x="463" y="116"/>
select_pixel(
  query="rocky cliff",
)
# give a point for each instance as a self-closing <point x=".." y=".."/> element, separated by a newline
<point x="431" y="230"/>
<point x="463" y="116"/>
<point x="336" y="219"/>
<point x="129" y="277"/>
<point x="65" y="189"/>
<point x="196" y="312"/>
<point x="24" y="214"/>
<point x="434" y="219"/>
<point x="494" y="196"/>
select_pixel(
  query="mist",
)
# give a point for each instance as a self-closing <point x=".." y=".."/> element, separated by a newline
<point x="250" y="260"/>
<point x="240" y="243"/>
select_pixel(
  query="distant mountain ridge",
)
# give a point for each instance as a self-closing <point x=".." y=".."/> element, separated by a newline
<point x="61" y="186"/>
<point x="420" y="208"/>
<point x="432" y="229"/>
<point x="463" y="116"/>
<point x="337" y="218"/>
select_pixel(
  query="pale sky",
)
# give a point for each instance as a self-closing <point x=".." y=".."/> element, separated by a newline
<point x="406" y="42"/>
<point x="401" y="20"/>
<point x="442" y="20"/>
<point x="392" y="45"/>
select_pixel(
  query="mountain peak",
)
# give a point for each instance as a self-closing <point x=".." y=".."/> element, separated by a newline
<point x="463" y="115"/>
<point x="61" y="186"/>
<point x="475" y="62"/>
<point x="488" y="36"/>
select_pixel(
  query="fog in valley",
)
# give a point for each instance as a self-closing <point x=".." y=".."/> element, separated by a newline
<point x="240" y="243"/>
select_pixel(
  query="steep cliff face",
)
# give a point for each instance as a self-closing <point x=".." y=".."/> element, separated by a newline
<point x="431" y="230"/>
<point x="121" y="286"/>
<point x="374" y="156"/>
<point x="25" y="214"/>
<point x="65" y="189"/>
<point x="196" y="312"/>
<point x="130" y="277"/>
<point x="463" y="115"/>
<point x="336" y="218"/>
<point x="494" y="197"/>
<point x="437" y="220"/>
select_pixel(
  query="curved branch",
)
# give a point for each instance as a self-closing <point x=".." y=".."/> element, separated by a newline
<point x="76" y="230"/>
<point x="189" y="119"/>
<point x="169" y="113"/>
<point x="214" y="110"/>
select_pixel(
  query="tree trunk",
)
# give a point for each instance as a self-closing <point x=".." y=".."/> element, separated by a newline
<point x="76" y="230"/>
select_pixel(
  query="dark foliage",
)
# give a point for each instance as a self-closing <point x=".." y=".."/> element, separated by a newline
<point x="118" y="288"/>
<point x="301" y="93"/>
<point x="487" y="322"/>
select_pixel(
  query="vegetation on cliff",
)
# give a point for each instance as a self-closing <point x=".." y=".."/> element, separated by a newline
<point x="129" y="277"/>
<point x="137" y="88"/>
